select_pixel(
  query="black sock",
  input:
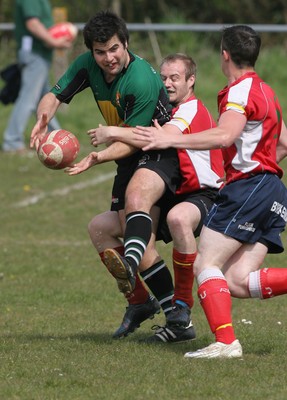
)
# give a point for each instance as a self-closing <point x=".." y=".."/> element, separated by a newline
<point x="137" y="235"/>
<point x="159" y="280"/>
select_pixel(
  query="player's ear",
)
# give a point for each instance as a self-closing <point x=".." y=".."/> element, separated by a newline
<point x="191" y="80"/>
<point x="225" y="55"/>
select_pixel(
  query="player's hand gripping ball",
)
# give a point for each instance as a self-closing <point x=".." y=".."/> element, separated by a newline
<point x="58" y="149"/>
<point x="64" y="29"/>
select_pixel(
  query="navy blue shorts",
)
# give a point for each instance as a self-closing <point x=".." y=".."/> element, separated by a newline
<point x="252" y="210"/>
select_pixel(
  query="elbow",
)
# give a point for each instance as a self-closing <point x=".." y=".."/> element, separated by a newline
<point x="226" y="141"/>
<point x="280" y="155"/>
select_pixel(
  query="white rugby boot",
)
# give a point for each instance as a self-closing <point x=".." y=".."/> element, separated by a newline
<point x="217" y="350"/>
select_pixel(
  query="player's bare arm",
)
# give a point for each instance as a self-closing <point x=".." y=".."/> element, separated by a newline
<point x="45" y="112"/>
<point x="110" y="134"/>
<point x="117" y="151"/>
<point x="158" y="137"/>
<point x="281" y="150"/>
<point x="113" y="152"/>
<point x="83" y="165"/>
<point x="35" y="26"/>
<point x="230" y="126"/>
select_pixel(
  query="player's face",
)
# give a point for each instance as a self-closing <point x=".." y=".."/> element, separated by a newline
<point x="111" y="56"/>
<point x="174" y="78"/>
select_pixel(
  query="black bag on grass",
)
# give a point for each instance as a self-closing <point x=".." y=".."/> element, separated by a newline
<point x="12" y="76"/>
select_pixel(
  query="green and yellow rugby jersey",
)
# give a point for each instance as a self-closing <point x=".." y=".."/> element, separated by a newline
<point x="135" y="97"/>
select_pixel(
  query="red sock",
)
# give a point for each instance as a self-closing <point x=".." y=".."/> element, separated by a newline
<point x="183" y="277"/>
<point x="273" y="282"/>
<point x="139" y="295"/>
<point x="216" y="302"/>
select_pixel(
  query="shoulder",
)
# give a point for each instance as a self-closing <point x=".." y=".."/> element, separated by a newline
<point x="192" y="105"/>
<point x="243" y="86"/>
<point x="33" y="8"/>
<point x="143" y="73"/>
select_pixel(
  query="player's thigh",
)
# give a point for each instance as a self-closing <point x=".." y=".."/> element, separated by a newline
<point x="144" y="190"/>
<point x="214" y="250"/>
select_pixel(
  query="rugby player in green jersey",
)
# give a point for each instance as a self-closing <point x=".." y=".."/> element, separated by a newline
<point x="128" y="92"/>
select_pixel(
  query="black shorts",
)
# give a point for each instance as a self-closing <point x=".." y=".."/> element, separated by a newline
<point x="166" y="164"/>
<point x="202" y="199"/>
<point x="125" y="171"/>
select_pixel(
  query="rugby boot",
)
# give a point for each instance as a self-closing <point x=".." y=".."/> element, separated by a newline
<point x="217" y="350"/>
<point x="121" y="271"/>
<point x="171" y="334"/>
<point x="179" y="316"/>
<point x="136" y="314"/>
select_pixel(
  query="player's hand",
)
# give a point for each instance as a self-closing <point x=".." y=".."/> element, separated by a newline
<point x="39" y="131"/>
<point x="62" y="43"/>
<point x="100" y="135"/>
<point x="83" y="165"/>
<point x="155" y="136"/>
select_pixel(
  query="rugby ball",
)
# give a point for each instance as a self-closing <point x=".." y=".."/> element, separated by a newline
<point x="58" y="149"/>
<point x="64" y="29"/>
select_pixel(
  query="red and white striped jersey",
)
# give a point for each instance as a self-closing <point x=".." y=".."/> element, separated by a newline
<point x="254" y="151"/>
<point x="199" y="168"/>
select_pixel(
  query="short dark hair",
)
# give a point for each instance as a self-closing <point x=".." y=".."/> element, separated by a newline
<point x="103" y="26"/>
<point x="190" y="65"/>
<point x="242" y="43"/>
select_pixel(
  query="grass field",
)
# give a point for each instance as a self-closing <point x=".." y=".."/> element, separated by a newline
<point x="59" y="307"/>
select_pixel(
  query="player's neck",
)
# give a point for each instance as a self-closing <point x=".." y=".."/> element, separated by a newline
<point x="238" y="73"/>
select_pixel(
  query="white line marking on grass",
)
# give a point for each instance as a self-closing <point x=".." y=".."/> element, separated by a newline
<point x="57" y="242"/>
<point x="64" y="191"/>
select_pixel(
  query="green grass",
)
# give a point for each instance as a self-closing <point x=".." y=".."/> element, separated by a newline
<point x="59" y="306"/>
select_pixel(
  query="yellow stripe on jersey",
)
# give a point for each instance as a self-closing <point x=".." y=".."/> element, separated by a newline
<point x="110" y="113"/>
<point x="234" y="105"/>
<point x="184" y="122"/>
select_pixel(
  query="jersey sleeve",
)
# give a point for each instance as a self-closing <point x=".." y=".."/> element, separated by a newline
<point x="31" y="9"/>
<point x="184" y="115"/>
<point x="74" y="80"/>
<point x="238" y="96"/>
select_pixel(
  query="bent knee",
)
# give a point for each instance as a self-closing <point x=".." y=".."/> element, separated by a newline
<point x="93" y="225"/>
<point x="101" y="222"/>
<point x="136" y="202"/>
<point x="238" y="287"/>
